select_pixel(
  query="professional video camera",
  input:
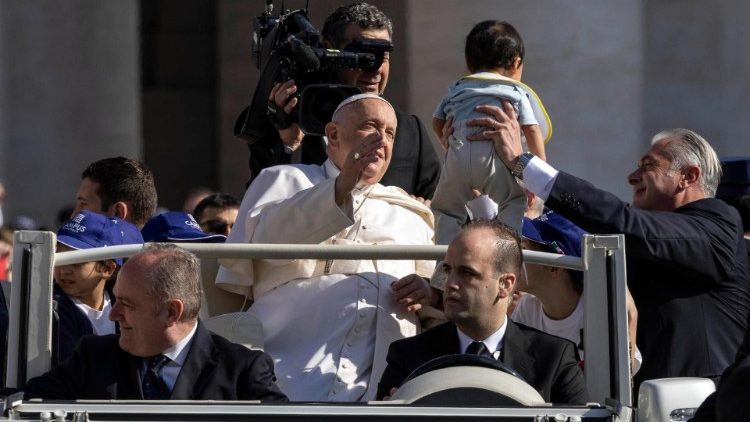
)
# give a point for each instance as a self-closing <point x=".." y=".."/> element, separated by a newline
<point x="289" y="47"/>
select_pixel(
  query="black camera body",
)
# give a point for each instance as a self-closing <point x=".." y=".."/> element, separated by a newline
<point x="289" y="47"/>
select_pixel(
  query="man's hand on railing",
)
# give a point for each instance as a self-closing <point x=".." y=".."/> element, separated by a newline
<point x="413" y="292"/>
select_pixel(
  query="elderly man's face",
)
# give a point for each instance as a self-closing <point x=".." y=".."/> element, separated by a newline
<point x="655" y="184"/>
<point x="360" y="121"/>
<point x="475" y="294"/>
<point x="143" y="320"/>
<point x="373" y="82"/>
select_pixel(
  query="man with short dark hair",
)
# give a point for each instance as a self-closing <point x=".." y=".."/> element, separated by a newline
<point x="414" y="167"/>
<point x="118" y="187"/>
<point x="217" y="212"/>
<point x="482" y="266"/>
<point x="162" y="351"/>
<point x="687" y="259"/>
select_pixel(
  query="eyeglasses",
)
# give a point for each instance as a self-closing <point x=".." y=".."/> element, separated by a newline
<point x="216" y="226"/>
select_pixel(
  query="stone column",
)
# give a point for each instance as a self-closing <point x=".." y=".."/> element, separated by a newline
<point x="69" y="95"/>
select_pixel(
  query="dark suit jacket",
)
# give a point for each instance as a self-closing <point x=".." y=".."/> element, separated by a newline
<point x="687" y="271"/>
<point x="414" y="165"/>
<point x="733" y="392"/>
<point x="215" y="369"/>
<point x="70" y="325"/>
<point x="547" y="363"/>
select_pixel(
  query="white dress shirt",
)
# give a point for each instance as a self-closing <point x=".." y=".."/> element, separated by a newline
<point x="177" y="355"/>
<point x="493" y="343"/>
<point x="538" y="176"/>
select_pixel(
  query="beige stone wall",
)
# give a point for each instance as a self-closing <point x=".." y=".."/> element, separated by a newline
<point x="69" y="94"/>
<point x="611" y="73"/>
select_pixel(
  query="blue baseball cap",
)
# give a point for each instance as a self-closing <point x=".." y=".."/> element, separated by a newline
<point x="88" y="230"/>
<point x="177" y="226"/>
<point x="556" y="233"/>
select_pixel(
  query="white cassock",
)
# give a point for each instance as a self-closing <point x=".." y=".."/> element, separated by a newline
<point x="327" y="323"/>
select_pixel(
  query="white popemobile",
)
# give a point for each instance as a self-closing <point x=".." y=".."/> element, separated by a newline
<point x="449" y="384"/>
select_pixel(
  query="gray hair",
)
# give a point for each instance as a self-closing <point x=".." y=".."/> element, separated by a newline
<point x="175" y="275"/>
<point x="687" y="148"/>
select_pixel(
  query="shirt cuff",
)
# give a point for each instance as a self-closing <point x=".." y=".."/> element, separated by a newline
<point x="538" y="176"/>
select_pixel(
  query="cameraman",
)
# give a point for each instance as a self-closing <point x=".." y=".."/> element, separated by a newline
<point x="414" y="166"/>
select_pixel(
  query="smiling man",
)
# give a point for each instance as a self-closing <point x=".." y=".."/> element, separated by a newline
<point x="687" y="260"/>
<point x="414" y="167"/>
<point x="162" y="351"/>
<point x="328" y="323"/>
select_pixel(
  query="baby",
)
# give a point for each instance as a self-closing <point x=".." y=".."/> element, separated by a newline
<point x="494" y="56"/>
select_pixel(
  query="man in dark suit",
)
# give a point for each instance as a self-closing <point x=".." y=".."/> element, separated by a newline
<point x="162" y="351"/>
<point x="481" y="265"/>
<point x="687" y="260"/>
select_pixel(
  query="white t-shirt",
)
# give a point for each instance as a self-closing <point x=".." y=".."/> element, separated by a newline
<point x="529" y="312"/>
<point x="99" y="319"/>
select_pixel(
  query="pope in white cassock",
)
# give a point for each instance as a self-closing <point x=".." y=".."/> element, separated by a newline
<point x="328" y="324"/>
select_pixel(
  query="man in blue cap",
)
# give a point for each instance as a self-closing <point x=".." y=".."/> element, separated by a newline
<point x="177" y="226"/>
<point x="83" y="291"/>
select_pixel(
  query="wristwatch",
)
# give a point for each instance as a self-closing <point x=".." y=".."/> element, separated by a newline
<point x="521" y="163"/>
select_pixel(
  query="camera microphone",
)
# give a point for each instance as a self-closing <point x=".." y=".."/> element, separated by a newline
<point x="304" y="54"/>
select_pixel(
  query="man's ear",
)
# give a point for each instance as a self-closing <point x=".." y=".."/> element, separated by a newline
<point x="175" y="308"/>
<point x="332" y="133"/>
<point x="507" y="282"/>
<point x="119" y="209"/>
<point x="691" y="175"/>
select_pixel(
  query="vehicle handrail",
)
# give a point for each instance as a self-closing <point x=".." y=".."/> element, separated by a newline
<point x="283" y="251"/>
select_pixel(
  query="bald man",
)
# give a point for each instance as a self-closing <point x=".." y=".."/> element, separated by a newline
<point x="328" y="323"/>
<point x="162" y="351"/>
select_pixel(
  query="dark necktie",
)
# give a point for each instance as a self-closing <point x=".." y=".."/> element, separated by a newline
<point x="153" y="386"/>
<point x="478" y="348"/>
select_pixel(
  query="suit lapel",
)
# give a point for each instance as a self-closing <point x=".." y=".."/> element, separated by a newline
<point x="444" y="341"/>
<point x="128" y="385"/>
<point x="515" y="351"/>
<point x="198" y="367"/>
